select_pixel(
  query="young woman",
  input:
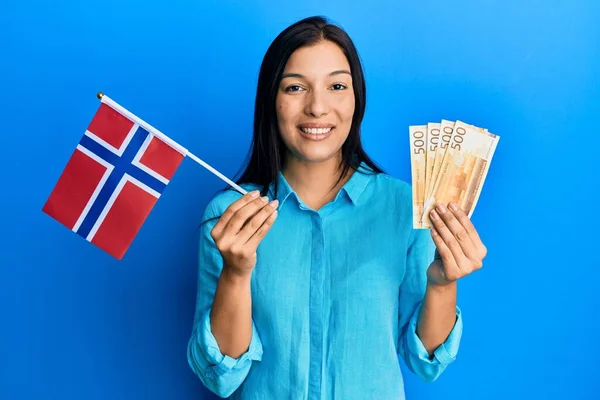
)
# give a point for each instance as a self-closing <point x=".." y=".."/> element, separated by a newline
<point x="314" y="283"/>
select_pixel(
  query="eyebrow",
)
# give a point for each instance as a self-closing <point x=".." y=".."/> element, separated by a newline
<point x="294" y="75"/>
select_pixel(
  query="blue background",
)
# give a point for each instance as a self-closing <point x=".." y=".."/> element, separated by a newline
<point x="77" y="324"/>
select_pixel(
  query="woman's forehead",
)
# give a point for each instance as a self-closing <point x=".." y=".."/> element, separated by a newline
<point x="321" y="59"/>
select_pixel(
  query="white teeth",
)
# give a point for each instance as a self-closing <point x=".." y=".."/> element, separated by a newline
<point x="316" y="131"/>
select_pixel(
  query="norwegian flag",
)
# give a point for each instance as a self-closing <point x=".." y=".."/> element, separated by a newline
<point x="113" y="179"/>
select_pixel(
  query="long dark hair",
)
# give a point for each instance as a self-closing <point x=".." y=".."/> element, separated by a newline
<point x="266" y="155"/>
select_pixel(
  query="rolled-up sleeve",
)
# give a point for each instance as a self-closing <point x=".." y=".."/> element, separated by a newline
<point x="412" y="291"/>
<point x="221" y="374"/>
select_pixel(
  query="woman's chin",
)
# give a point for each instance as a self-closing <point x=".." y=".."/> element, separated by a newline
<point x="315" y="156"/>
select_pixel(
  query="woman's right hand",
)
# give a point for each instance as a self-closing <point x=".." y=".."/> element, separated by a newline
<point x="241" y="228"/>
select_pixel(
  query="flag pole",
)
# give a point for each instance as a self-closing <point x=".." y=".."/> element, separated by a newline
<point x="105" y="99"/>
<point x="217" y="173"/>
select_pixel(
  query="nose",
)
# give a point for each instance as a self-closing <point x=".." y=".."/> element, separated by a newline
<point x="316" y="104"/>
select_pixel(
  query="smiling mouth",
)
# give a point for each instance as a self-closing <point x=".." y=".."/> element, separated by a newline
<point x="315" y="134"/>
<point x="316" y="131"/>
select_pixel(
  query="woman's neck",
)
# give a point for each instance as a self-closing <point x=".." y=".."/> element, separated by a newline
<point x="313" y="182"/>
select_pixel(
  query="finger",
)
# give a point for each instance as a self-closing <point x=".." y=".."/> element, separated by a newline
<point x="465" y="221"/>
<point x="448" y="238"/>
<point x="256" y="221"/>
<point x="450" y="266"/>
<point x="217" y="230"/>
<point x="461" y="235"/>
<point x="260" y="233"/>
<point x="241" y="216"/>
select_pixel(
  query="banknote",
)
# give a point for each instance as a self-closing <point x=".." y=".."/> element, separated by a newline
<point x="418" y="154"/>
<point x="433" y="139"/>
<point x="446" y="130"/>
<point x="461" y="161"/>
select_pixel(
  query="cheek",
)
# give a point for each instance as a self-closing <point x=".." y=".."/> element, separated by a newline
<point x="285" y="120"/>
<point x="283" y="111"/>
<point x="287" y="115"/>
<point x="279" y="109"/>
<point x="347" y="107"/>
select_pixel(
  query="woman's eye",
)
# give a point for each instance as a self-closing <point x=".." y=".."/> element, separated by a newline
<point x="293" y="88"/>
<point x="339" y="86"/>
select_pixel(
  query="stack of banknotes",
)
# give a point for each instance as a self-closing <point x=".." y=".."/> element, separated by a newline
<point x="449" y="163"/>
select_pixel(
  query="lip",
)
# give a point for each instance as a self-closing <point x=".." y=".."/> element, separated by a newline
<point x="315" y="125"/>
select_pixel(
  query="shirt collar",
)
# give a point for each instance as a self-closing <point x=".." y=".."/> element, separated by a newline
<point x="353" y="188"/>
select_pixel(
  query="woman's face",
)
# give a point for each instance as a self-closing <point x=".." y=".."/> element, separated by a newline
<point x="315" y="102"/>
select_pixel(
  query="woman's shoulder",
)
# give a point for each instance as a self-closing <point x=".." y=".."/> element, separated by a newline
<point x="393" y="185"/>
<point x="392" y="198"/>
<point x="223" y="199"/>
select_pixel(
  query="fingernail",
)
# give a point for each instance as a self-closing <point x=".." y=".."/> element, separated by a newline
<point x="454" y="206"/>
<point x="441" y="208"/>
<point x="274" y="203"/>
<point x="434" y="215"/>
<point x="254" y="193"/>
<point x="265" y="199"/>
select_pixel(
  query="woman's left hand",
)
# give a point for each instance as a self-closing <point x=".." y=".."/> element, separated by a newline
<point x="459" y="252"/>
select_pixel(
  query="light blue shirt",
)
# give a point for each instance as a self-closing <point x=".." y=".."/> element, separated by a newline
<point x="336" y="295"/>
